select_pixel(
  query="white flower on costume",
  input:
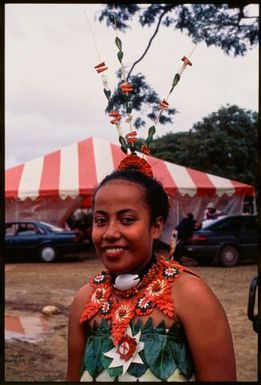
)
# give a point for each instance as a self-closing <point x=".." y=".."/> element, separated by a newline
<point x="127" y="351"/>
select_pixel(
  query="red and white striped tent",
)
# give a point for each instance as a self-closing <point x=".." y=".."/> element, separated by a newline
<point x="51" y="187"/>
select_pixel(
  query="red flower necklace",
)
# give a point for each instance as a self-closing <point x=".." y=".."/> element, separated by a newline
<point x="157" y="283"/>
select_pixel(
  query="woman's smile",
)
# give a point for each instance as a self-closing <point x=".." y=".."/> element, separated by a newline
<point x="113" y="251"/>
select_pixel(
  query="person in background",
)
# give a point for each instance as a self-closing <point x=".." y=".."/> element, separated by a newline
<point x="183" y="230"/>
<point x="211" y="211"/>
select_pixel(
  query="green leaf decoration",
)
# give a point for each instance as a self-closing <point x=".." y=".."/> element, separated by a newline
<point x="105" y="328"/>
<point x="110" y="105"/>
<point x="148" y="325"/>
<point x="129" y="107"/>
<point x="92" y="356"/>
<point x="163" y="351"/>
<point x="136" y="327"/>
<point x="124" y="145"/>
<point x="184" y="359"/>
<point x="159" y="355"/>
<point x="161" y="327"/>
<point x="175" y="82"/>
<point x="107" y="93"/>
<point x="138" y="370"/>
<point x="118" y="43"/>
<point x="120" y="56"/>
<point x="151" y="132"/>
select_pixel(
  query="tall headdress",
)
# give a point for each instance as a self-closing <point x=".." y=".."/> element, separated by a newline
<point x="129" y="141"/>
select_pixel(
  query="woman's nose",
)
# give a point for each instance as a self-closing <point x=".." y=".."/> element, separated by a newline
<point x="112" y="231"/>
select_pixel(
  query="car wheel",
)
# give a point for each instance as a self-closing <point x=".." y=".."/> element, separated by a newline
<point x="228" y="256"/>
<point x="48" y="253"/>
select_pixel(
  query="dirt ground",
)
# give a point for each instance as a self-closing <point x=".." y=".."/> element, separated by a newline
<point x="31" y="285"/>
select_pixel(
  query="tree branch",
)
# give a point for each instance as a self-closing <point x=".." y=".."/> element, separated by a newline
<point x="166" y="10"/>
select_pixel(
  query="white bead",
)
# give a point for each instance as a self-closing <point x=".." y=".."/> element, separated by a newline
<point x="126" y="281"/>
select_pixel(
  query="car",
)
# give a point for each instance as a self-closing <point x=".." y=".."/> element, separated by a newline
<point x="45" y="240"/>
<point x="226" y="241"/>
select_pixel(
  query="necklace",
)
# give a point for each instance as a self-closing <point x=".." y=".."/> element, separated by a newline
<point x="156" y="283"/>
<point x="138" y="281"/>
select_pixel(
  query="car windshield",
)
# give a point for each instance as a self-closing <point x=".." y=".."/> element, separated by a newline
<point x="52" y="227"/>
<point x="213" y="223"/>
<point x="208" y="223"/>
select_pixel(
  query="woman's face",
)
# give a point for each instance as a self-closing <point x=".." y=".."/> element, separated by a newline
<point x="122" y="231"/>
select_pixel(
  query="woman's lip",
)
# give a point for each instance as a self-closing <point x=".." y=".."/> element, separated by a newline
<point x="112" y="252"/>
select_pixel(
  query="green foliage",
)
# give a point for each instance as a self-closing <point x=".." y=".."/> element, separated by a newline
<point x="226" y="25"/>
<point x="222" y="25"/>
<point x="225" y="143"/>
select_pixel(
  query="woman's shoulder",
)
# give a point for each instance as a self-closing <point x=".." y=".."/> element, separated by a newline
<point x="190" y="283"/>
<point x="192" y="295"/>
<point x="81" y="296"/>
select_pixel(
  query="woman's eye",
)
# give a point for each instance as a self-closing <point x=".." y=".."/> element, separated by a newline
<point x="99" y="221"/>
<point x="127" y="220"/>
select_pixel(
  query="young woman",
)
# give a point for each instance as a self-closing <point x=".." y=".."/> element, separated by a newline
<point x="144" y="318"/>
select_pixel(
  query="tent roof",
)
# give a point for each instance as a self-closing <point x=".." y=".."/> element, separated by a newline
<point x="77" y="169"/>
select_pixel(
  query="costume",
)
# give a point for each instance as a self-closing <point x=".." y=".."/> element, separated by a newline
<point x="129" y="349"/>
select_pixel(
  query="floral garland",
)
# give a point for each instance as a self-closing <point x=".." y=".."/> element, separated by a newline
<point x="129" y="141"/>
<point x="103" y="299"/>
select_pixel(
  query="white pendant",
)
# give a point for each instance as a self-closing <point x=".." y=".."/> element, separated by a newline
<point x="126" y="281"/>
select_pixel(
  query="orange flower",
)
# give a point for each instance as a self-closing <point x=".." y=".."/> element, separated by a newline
<point x="131" y="137"/>
<point x="122" y="313"/>
<point x="165" y="304"/>
<point x="145" y="149"/>
<point x="116" y="116"/>
<point x="156" y="289"/>
<point x="126" y="87"/>
<point x="101" y="67"/>
<point x="144" y="306"/>
<point x="100" y="295"/>
<point x="132" y="140"/>
<point x="121" y="318"/>
<point x="132" y="133"/>
<point x="186" y="61"/>
<point x="164" y="105"/>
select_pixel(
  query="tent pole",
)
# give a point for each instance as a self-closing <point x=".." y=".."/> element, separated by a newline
<point x="254" y="205"/>
<point x="178" y="211"/>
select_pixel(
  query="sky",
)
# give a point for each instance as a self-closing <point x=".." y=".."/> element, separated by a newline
<point x="54" y="97"/>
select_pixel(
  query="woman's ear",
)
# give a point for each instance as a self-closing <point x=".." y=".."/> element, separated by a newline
<point x="157" y="227"/>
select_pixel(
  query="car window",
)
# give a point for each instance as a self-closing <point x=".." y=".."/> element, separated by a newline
<point x="10" y="229"/>
<point x="52" y="227"/>
<point x="26" y="229"/>
<point x="31" y="227"/>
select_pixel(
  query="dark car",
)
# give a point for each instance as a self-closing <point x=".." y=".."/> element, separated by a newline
<point x="45" y="240"/>
<point x="226" y="241"/>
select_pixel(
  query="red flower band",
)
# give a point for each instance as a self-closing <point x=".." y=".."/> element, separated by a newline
<point x="135" y="161"/>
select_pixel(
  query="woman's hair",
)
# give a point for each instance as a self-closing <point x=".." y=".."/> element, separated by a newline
<point x="154" y="194"/>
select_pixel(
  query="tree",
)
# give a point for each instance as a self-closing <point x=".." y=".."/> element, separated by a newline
<point x="227" y="26"/>
<point x="225" y="143"/>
